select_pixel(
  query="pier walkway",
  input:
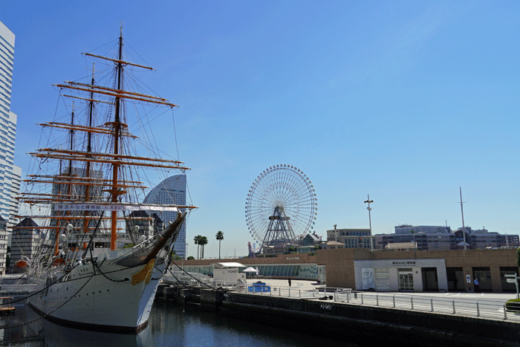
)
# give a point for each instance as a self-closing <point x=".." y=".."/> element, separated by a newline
<point x="481" y="305"/>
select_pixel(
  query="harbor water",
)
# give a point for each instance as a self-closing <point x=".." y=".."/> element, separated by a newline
<point x="170" y="325"/>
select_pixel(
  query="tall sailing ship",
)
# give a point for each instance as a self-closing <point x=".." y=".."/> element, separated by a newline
<point x="89" y="183"/>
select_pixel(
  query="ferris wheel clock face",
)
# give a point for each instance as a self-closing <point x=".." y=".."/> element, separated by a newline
<point x="281" y="190"/>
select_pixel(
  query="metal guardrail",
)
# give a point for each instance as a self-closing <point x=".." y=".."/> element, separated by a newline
<point x="491" y="309"/>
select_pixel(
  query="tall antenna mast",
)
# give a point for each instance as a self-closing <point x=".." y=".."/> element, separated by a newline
<point x="462" y="212"/>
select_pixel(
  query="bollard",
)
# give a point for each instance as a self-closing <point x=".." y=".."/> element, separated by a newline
<point x="431" y="301"/>
<point x="394" y="300"/>
<point x="377" y="299"/>
<point x="411" y="301"/>
<point x="289" y="291"/>
<point x="505" y="313"/>
<point x="361" y="298"/>
<point x="453" y="306"/>
<point x="478" y="310"/>
<point x="348" y="297"/>
<point x="279" y="291"/>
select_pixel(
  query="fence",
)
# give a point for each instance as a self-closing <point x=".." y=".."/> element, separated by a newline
<point x="493" y="309"/>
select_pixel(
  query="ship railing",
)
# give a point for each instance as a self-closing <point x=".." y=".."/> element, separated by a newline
<point x="492" y="308"/>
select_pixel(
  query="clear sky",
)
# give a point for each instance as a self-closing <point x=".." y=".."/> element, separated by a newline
<point x="404" y="100"/>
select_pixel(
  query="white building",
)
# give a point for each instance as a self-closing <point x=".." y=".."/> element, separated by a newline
<point x="425" y="229"/>
<point x="171" y="191"/>
<point x="10" y="175"/>
<point x="351" y="238"/>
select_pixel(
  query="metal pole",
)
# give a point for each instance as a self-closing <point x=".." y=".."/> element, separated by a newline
<point x="478" y="310"/>
<point x="368" y="201"/>
<point x="394" y="300"/>
<point x="335" y="235"/>
<point x="431" y="301"/>
<point x="505" y="312"/>
<point x="462" y="212"/>
<point x="411" y="301"/>
<point x="361" y="298"/>
<point x="300" y="292"/>
<point x="453" y="306"/>
<point x="377" y="299"/>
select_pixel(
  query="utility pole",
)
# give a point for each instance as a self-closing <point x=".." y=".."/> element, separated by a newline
<point x="462" y="212"/>
<point x="368" y="201"/>
<point x="335" y="233"/>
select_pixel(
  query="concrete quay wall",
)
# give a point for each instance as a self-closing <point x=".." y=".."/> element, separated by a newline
<point x="367" y="325"/>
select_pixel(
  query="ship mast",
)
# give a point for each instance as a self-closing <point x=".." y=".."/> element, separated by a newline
<point x="117" y="129"/>
<point x="86" y="220"/>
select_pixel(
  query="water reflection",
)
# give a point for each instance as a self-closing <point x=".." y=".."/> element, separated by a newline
<point x="169" y="325"/>
<point x="44" y="333"/>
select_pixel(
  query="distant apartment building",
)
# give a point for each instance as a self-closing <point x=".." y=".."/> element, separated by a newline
<point x="171" y="191"/>
<point x="351" y="238"/>
<point x="25" y="240"/>
<point x="3" y="245"/>
<point x="440" y="238"/>
<point x="10" y="175"/>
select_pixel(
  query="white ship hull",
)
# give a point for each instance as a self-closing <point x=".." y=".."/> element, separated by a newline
<point x="100" y="301"/>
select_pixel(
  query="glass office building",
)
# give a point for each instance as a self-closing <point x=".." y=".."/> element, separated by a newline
<point x="171" y="191"/>
<point x="10" y="175"/>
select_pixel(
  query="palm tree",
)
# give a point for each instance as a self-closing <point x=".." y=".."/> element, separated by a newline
<point x="196" y="239"/>
<point x="203" y="241"/>
<point x="220" y="237"/>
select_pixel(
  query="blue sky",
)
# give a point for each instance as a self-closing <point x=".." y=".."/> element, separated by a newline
<point x="403" y="100"/>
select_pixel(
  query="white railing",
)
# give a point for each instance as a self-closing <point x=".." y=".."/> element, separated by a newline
<point x="493" y="309"/>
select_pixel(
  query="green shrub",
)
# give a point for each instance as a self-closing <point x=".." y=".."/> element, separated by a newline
<point x="513" y="305"/>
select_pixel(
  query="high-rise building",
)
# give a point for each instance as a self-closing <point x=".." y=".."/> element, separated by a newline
<point x="171" y="191"/>
<point x="10" y="175"/>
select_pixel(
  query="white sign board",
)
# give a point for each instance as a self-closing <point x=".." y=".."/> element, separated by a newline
<point x="101" y="207"/>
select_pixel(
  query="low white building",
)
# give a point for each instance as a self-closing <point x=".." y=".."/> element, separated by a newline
<point x="414" y="275"/>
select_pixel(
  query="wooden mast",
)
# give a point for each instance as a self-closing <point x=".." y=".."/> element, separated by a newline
<point x="117" y="128"/>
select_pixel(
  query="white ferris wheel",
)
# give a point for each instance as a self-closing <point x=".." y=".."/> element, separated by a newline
<point x="281" y="206"/>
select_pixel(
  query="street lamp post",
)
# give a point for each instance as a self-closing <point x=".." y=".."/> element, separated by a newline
<point x="186" y="254"/>
<point x="335" y="236"/>
<point x="368" y="201"/>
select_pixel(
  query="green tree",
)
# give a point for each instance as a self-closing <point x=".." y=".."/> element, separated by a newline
<point x="220" y="237"/>
<point x="203" y="241"/>
<point x="196" y="239"/>
<point x="518" y="257"/>
<point x="191" y="258"/>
